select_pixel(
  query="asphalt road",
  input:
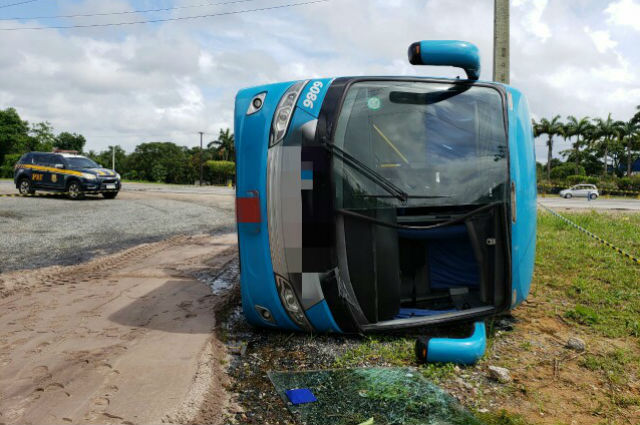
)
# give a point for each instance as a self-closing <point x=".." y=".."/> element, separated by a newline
<point x="42" y="231"/>
<point x="615" y="204"/>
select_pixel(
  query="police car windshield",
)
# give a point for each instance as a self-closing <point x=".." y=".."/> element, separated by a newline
<point x="80" y="162"/>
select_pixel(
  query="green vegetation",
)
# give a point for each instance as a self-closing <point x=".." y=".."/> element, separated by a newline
<point x="163" y="162"/>
<point x="602" y="286"/>
<point x="598" y="145"/>
<point x="219" y="171"/>
<point x="601" y="153"/>
<point x="391" y="351"/>
<point x="613" y="364"/>
<point x="379" y="350"/>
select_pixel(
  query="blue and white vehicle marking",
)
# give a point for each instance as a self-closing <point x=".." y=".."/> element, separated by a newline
<point x="313" y="95"/>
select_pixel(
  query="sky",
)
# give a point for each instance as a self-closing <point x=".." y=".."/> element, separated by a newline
<point x="166" y="81"/>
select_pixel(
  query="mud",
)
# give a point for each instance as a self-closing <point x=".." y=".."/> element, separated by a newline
<point x="125" y="338"/>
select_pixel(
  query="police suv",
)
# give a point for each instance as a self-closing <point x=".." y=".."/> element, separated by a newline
<point x="72" y="174"/>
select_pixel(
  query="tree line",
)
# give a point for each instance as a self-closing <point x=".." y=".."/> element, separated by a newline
<point x="164" y="162"/>
<point x="599" y="147"/>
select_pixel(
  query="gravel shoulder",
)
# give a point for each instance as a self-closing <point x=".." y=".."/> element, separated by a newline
<point x="125" y="338"/>
<point x="42" y="231"/>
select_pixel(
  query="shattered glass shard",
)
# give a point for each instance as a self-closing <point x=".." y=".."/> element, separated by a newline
<point x="389" y="395"/>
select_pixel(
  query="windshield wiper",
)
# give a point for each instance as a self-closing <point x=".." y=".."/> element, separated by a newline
<point x="369" y="173"/>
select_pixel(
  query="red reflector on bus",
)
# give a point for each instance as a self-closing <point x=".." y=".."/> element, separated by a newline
<point x="248" y="210"/>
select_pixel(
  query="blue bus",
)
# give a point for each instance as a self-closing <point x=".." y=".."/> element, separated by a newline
<point x="367" y="204"/>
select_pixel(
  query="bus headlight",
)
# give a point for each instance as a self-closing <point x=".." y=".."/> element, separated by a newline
<point x="284" y="112"/>
<point x="291" y="304"/>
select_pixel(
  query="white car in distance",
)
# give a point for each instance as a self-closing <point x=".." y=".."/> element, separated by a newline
<point x="589" y="191"/>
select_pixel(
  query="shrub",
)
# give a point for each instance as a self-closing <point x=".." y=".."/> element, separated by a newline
<point x="131" y="175"/>
<point x="568" y="169"/>
<point x="629" y="183"/>
<point x="220" y="171"/>
<point x="158" y="173"/>
<point x="6" y="168"/>
<point x="624" y="183"/>
<point x="576" y="179"/>
<point x="607" y="185"/>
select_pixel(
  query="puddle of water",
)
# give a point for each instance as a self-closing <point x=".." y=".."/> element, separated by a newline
<point x="221" y="281"/>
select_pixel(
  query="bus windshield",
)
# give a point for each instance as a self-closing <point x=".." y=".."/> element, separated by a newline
<point x="440" y="143"/>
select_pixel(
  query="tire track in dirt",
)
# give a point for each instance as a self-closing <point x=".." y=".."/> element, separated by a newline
<point x="121" y="339"/>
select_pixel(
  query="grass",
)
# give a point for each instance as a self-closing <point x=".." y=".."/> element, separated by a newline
<point x="501" y="417"/>
<point x="392" y="351"/>
<point x="379" y="350"/>
<point x="613" y="364"/>
<point x="601" y="286"/>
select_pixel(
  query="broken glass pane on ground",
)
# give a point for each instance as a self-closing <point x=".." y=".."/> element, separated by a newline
<point x="388" y="395"/>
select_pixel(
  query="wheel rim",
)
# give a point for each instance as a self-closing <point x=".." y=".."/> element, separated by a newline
<point x="24" y="187"/>
<point x="74" y="190"/>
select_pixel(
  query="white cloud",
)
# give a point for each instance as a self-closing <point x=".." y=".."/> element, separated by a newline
<point x="532" y="19"/>
<point x="132" y="84"/>
<point x="625" y="13"/>
<point x="601" y="39"/>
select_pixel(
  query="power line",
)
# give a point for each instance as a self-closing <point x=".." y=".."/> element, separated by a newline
<point x="165" y="19"/>
<point x="17" y="4"/>
<point x="123" y="12"/>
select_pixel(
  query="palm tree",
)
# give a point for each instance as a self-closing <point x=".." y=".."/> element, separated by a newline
<point x="550" y="128"/>
<point x="578" y="128"/>
<point x="628" y="131"/>
<point x="636" y="117"/>
<point x="606" y="130"/>
<point x="224" y="146"/>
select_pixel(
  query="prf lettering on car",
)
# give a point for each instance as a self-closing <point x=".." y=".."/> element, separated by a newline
<point x="375" y="203"/>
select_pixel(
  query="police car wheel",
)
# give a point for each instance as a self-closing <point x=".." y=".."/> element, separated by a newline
<point x="25" y="187"/>
<point x="74" y="191"/>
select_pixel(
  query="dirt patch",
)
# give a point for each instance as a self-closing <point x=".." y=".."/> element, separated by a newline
<point x="552" y="383"/>
<point x="121" y="339"/>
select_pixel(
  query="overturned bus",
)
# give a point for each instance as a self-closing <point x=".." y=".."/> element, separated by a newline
<point x="374" y="203"/>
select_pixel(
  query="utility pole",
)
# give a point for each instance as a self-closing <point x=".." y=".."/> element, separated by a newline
<point x="201" y="134"/>
<point x="501" y="41"/>
<point x="113" y="158"/>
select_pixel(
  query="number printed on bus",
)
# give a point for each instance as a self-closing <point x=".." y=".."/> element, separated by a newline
<point x="312" y="94"/>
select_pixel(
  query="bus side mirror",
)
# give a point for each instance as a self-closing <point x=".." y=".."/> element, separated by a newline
<point x="460" y="54"/>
